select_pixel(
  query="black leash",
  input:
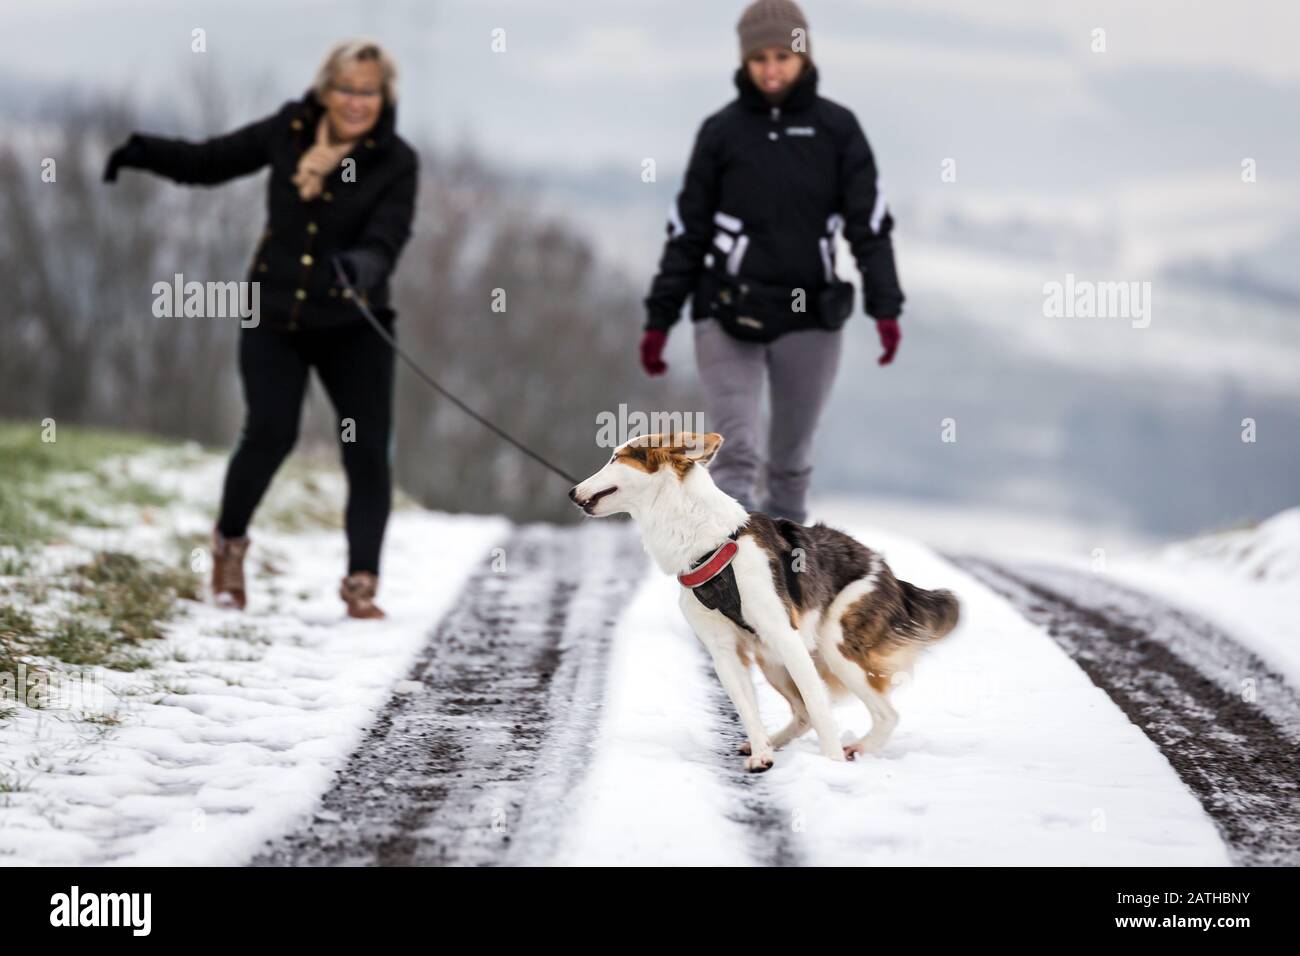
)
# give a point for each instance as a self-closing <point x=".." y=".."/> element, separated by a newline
<point x="384" y="334"/>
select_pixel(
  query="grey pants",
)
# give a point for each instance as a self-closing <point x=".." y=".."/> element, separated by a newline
<point x="799" y="368"/>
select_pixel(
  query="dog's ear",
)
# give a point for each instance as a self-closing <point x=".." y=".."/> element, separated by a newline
<point x="701" y="448"/>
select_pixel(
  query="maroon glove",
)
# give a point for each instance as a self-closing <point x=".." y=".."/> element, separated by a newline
<point x="889" y="338"/>
<point x="652" y="351"/>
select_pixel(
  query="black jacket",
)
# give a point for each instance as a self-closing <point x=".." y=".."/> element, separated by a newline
<point x="370" y="216"/>
<point x="763" y="187"/>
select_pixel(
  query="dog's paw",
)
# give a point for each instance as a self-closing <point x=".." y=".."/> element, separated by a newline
<point x="745" y="749"/>
<point x="866" y="745"/>
<point x="839" y="755"/>
<point x="758" y="763"/>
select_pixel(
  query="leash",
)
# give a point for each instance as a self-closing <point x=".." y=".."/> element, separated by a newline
<point x="392" y="343"/>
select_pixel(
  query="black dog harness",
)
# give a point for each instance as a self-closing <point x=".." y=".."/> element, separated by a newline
<point x="713" y="580"/>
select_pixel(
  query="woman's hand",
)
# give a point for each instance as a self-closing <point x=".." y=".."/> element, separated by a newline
<point x="130" y="153"/>
<point x="364" y="269"/>
<point x="652" y="351"/>
<point x="890" y="336"/>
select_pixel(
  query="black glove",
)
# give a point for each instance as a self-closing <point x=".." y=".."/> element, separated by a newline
<point x="131" y="153"/>
<point x="364" y="269"/>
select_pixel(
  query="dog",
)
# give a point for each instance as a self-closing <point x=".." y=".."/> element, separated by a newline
<point x="821" y="614"/>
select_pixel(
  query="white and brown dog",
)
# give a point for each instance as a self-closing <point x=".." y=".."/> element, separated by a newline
<point x="821" y="614"/>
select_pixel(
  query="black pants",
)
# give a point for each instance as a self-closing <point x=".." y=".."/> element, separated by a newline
<point x="356" y="367"/>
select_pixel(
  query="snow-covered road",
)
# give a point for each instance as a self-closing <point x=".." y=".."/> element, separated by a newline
<point x="1227" y="723"/>
<point x="535" y="697"/>
<point x="471" y="760"/>
<point x="1006" y="754"/>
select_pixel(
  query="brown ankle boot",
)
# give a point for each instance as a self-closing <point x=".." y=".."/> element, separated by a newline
<point x="358" y="590"/>
<point x="228" y="570"/>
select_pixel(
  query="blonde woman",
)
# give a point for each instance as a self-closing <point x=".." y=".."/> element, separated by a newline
<point x="342" y="183"/>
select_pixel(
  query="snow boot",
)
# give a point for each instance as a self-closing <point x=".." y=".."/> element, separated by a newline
<point x="358" y="590"/>
<point x="228" y="570"/>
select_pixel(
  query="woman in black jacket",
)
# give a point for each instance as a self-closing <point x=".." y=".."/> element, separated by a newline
<point x="773" y="177"/>
<point x="343" y="185"/>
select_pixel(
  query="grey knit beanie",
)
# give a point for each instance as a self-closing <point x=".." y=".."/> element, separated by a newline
<point x="773" y="23"/>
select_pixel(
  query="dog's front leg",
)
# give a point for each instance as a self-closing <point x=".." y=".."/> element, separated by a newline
<point x="718" y="635"/>
<point x="790" y="648"/>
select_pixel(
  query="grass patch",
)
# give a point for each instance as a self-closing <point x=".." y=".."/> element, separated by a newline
<point x="241" y="631"/>
<point x="299" y="501"/>
<point x="189" y="542"/>
<point x="136" y="597"/>
<point x="57" y="507"/>
<point x="14" y="564"/>
<point x="102" y="720"/>
<point x="17" y="632"/>
<point x="77" y="641"/>
<point x="138" y="493"/>
<point x="25" y="457"/>
<point x="30" y="510"/>
<point x="123" y="602"/>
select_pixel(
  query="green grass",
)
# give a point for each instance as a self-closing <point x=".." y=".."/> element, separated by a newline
<point x="14" y="564"/>
<point x="31" y="511"/>
<point x="17" y="632"/>
<point x="241" y="631"/>
<point x="123" y="603"/>
<point x="82" y="642"/>
<point x="139" y="494"/>
<point x="298" y="502"/>
<point x="186" y="544"/>
<point x="136" y="597"/>
<point x="119" y="602"/>
<point x="77" y="641"/>
<point x="25" y="457"/>
<point x="102" y="720"/>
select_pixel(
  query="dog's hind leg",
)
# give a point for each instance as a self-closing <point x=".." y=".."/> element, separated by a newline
<point x="718" y="635"/>
<point x="871" y="690"/>
<point x="799" y="723"/>
<point x="855" y="644"/>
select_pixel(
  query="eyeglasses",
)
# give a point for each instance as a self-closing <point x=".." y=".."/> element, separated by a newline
<point x="363" y="94"/>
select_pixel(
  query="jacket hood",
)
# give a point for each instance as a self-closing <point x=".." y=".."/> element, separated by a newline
<point x="801" y="95"/>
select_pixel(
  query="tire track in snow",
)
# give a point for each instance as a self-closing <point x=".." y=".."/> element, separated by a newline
<point x="473" y="764"/>
<point x="771" y="838"/>
<point x="1180" y="679"/>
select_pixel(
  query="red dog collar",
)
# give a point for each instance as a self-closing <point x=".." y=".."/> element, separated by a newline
<point x="713" y="565"/>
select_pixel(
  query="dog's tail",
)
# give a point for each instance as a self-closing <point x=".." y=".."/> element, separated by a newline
<point x="930" y="614"/>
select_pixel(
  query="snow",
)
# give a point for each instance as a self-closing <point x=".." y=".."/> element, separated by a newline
<point x="1005" y="754"/>
<point x="984" y="529"/>
<point x="233" y="735"/>
<point x="1246" y="581"/>
<point x="652" y="795"/>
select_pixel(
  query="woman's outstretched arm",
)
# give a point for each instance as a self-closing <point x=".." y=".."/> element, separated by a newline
<point x="206" y="163"/>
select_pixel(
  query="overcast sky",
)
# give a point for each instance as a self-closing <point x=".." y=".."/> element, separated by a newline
<point x="1011" y="90"/>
